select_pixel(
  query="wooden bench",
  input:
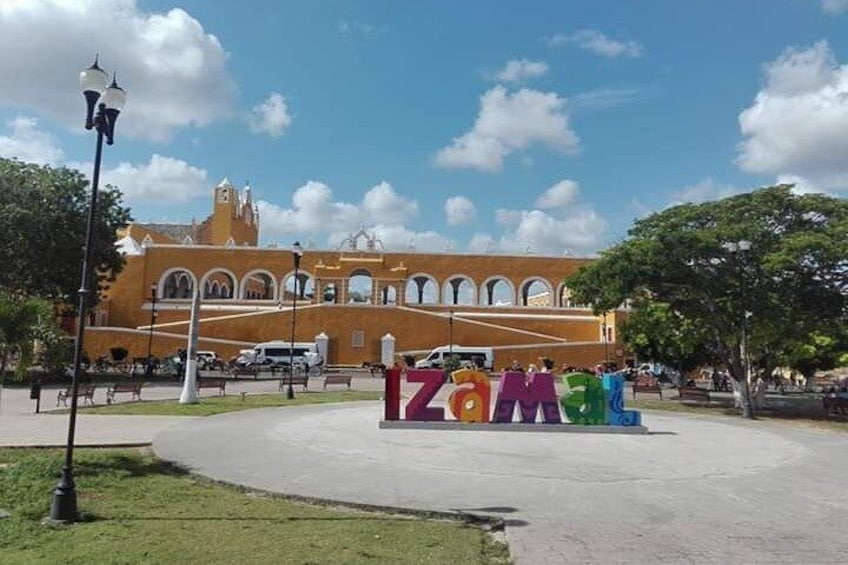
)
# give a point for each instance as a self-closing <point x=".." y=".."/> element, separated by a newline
<point x="693" y="394"/>
<point x="301" y="379"/>
<point x="84" y="391"/>
<point x="336" y="379"/>
<point x="835" y="405"/>
<point x="212" y="382"/>
<point x="133" y="387"/>
<point x="646" y="384"/>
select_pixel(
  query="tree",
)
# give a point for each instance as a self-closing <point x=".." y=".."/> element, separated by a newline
<point x="792" y="281"/>
<point x="43" y="214"/>
<point x="22" y="321"/>
<point x="654" y="331"/>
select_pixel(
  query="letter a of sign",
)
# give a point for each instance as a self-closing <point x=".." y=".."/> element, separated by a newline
<point x="416" y="408"/>
<point x="538" y="392"/>
<point x="470" y="404"/>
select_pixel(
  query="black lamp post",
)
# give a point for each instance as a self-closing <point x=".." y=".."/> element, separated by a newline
<point x="297" y="253"/>
<point x="606" y="341"/>
<point x="108" y="99"/>
<point x="149" y="368"/>
<point x="740" y="249"/>
<point x="450" y="335"/>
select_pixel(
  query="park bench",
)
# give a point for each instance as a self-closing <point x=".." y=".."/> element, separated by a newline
<point x="693" y="394"/>
<point x="336" y="379"/>
<point x="833" y="404"/>
<point x="301" y="379"/>
<point x="646" y="384"/>
<point x="212" y="382"/>
<point x="84" y="391"/>
<point x="118" y="388"/>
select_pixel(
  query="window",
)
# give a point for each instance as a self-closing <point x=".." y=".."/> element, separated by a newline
<point x="358" y="338"/>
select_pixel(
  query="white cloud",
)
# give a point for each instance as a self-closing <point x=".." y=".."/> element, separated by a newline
<point x="174" y="72"/>
<point x="163" y="180"/>
<point x="26" y="142"/>
<point x="271" y="116"/>
<point x="603" y="98"/>
<point x="315" y="212"/>
<point x="381" y="202"/>
<point x="508" y="123"/>
<point x="797" y="122"/>
<point x="702" y="191"/>
<point x="459" y="211"/>
<point x="596" y="42"/>
<point x="561" y="194"/>
<point x="802" y="185"/>
<point x="520" y="70"/>
<point x="568" y="224"/>
<point x="834" y="6"/>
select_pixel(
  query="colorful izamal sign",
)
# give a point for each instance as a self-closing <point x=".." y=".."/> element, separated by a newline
<point x="587" y="400"/>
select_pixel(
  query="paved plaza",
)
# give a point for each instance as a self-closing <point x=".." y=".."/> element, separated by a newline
<point x="694" y="490"/>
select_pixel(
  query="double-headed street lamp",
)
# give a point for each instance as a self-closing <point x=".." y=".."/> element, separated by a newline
<point x="108" y="100"/>
<point x="297" y="253"/>
<point x="148" y="370"/>
<point x="740" y="249"/>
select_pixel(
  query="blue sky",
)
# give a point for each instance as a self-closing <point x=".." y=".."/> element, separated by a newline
<point x="540" y="127"/>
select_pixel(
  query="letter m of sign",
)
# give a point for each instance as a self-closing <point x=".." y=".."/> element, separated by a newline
<point x="536" y="392"/>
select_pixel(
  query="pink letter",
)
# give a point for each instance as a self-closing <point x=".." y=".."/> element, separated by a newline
<point x="416" y="408"/>
<point x="538" y="392"/>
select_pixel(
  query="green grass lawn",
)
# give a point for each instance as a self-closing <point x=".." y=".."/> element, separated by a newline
<point x="209" y="405"/>
<point x="138" y="509"/>
<point x="833" y="423"/>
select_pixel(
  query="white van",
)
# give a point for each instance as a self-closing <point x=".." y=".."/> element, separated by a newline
<point x="466" y="355"/>
<point x="280" y="353"/>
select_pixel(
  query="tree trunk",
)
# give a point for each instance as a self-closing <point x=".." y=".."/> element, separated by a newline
<point x="3" y="360"/>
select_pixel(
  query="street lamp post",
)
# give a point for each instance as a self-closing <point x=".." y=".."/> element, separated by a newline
<point x="739" y="249"/>
<point x="450" y="334"/>
<point x="148" y="371"/>
<point x="297" y="253"/>
<point x="108" y="100"/>
<point x="606" y="341"/>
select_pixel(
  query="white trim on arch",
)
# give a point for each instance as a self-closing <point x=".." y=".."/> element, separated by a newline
<point x="411" y="281"/>
<point x="530" y="280"/>
<point x="281" y="292"/>
<point x="160" y="287"/>
<point x="275" y="286"/>
<point x="446" y="287"/>
<point x="233" y="279"/>
<point x="483" y="295"/>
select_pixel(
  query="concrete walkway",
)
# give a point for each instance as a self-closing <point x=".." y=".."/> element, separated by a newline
<point x="696" y="490"/>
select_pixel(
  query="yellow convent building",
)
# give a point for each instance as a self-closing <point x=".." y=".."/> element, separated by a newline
<point x="358" y="297"/>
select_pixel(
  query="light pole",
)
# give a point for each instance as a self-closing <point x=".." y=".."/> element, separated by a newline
<point x="108" y="99"/>
<point x="450" y="334"/>
<point x="148" y="371"/>
<point x="606" y="341"/>
<point x="739" y="249"/>
<point x="297" y="253"/>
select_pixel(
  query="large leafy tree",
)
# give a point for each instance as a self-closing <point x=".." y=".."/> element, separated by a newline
<point x="22" y="321"/>
<point x="43" y="214"/>
<point x="791" y="282"/>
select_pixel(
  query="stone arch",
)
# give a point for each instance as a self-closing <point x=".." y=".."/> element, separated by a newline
<point x="536" y="292"/>
<point x="305" y="286"/>
<point x="178" y="283"/>
<point x="258" y="285"/>
<point x="360" y="287"/>
<point x="497" y="290"/>
<point x="388" y="295"/>
<point x="219" y="283"/>
<point x="459" y="290"/>
<point x="422" y="288"/>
